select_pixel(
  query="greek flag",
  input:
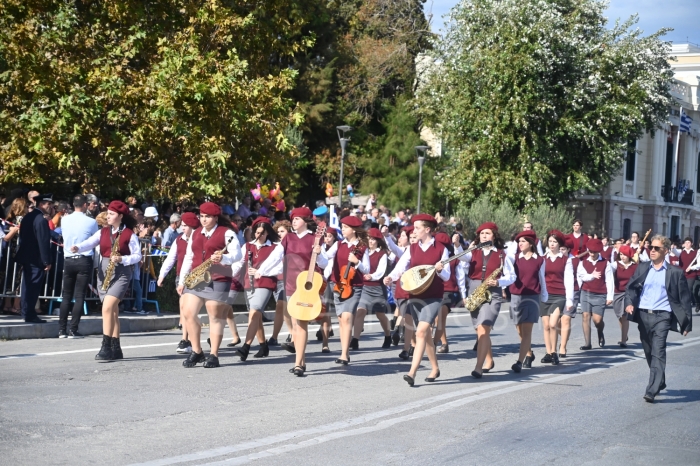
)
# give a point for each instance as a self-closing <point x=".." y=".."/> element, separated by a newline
<point x="158" y="252"/>
<point x="686" y="121"/>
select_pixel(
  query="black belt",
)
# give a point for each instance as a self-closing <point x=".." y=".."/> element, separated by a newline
<point x="77" y="256"/>
<point x="653" y="311"/>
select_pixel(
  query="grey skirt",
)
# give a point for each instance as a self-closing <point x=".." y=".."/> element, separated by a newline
<point x="424" y="310"/>
<point x="487" y="314"/>
<point x="373" y="299"/>
<point x="572" y="312"/>
<point x="593" y="302"/>
<point x="555" y="301"/>
<point x="402" y="304"/>
<point x="619" y="305"/>
<point x="450" y="299"/>
<point x="232" y="297"/>
<point x="279" y="292"/>
<point x="213" y="291"/>
<point x="525" y="309"/>
<point x="347" y="305"/>
<point x="121" y="281"/>
<point x="257" y="299"/>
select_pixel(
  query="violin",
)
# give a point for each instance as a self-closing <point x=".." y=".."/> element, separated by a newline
<point x="347" y="273"/>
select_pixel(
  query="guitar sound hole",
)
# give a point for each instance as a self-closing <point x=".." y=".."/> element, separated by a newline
<point x="308" y="286"/>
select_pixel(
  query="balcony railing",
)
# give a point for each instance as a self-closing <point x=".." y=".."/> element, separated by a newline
<point x="671" y="194"/>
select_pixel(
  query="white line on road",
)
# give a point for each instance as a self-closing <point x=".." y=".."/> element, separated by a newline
<point x="339" y="429"/>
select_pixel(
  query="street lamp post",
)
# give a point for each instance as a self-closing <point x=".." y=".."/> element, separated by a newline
<point x="420" y="152"/>
<point x="343" y="144"/>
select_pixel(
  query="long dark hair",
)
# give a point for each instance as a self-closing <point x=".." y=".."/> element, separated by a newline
<point x="382" y="244"/>
<point x="362" y="236"/>
<point x="129" y="222"/>
<point x="223" y="221"/>
<point x="497" y="241"/>
<point x="272" y="235"/>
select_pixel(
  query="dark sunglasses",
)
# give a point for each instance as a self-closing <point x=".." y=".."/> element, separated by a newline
<point x="657" y="248"/>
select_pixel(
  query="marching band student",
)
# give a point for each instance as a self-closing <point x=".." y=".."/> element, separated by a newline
<point x="120" y="232"/>
<point x="206" y="243"/>
<point x="423" y="307"/>
<point x="578" y="238"/>
<point x="607" y="251"/>
<point x="623" y="269"/>
<point x="374" y="297"/>
<point x="569" y="313"/>
<point x="262" y="261"/>
<point x="405" y="322"/>
<point x="559" y="277"/>
<point x="481" y="264"/>
<point x="330" y="242"/>
<point x="527" y="292"/>
<point x="597" y="291"/>
<point x="298" y="247"/>
<point x="281" y="315"/>
<point x="451" y="296"/>
<point x="350" y="252"/>
<point x="176" y="256"/>
<point x="685" y="258"/>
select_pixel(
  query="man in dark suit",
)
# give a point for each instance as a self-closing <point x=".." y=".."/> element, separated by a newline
<point x="34" y="255"/>
<point x="658" y="299"/>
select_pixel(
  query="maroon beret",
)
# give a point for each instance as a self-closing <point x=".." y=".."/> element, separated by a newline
<point x="626" y="250"/>
<point x="209" y="208"/>
<point x="260" y="220"/>
<point x="303" y="212"/>
<point x="423" y="218"/>
<point x="375" y="233"/>
<point x="443" y="238"/>
<point x="527" y="234"/>
<point x="351" y="221"/>
<point x="594" y="245"/>
<point x="559" y="236"/>
<point x="408" y="229"/>
<point x="487" y="226"/>
<point x="569" y="242"/>
<point x="119" y="207"/>
<point x="191" y="220"/>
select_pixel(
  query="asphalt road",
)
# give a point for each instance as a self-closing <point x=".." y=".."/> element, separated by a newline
<point x="59" y="406"/>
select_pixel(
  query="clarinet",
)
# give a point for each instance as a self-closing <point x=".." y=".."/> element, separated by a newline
<point x="250" y="266"/>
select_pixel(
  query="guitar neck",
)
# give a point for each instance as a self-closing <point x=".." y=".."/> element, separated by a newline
<point x="312" y="264"/>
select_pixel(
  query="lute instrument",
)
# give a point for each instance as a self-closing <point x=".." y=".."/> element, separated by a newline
<point x="419" y="278"/>
<point x="347" y="273"/>
<point x="635" y="258"/>
<point x="305" y="302"/>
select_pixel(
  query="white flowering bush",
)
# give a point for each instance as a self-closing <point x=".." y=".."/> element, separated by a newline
<point x="537" y="99"/>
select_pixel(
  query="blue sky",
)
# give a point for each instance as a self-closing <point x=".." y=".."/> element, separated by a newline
<point x="681" y="15"/>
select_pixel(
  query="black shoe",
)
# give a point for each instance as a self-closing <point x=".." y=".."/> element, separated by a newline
<point x="517" y="367"/>
<point x="354" y="344"/>
<point x="409" y="380"/>
<point x="493" y="364"/>
<point x="601" y="339"/>
<point x="184" y="347"/>
<point x="432" y="379"/>
<point x="649" y="398"/>
<point x="476" y="375"/>
<point x="35" y="320"/>
<point x="476" y="345"/>
<point x="330" y="334"/>
<point x="209" y="342"/>
<point x="319" y="335"/>
<point x="527" y="362"/>
<point x="179" y="326"/>
<point x="387" y="343"/>
<point x="444" y="349"/>
<point x="116" y="349"/>
<point x="410" y="352"/>
<point x="562" y="355"/>
<point x="325" y="349"/>
<point x="586" y="348"/>
<point x="243" y="351"/>
<point x="402" y="338"/>
<point x="393" y="323"/>
<point x="272" y="342"/>
<point x="263" y="352"/>
<point x="105" y="353"/>
<point x="555" y="359"/>
<point x="622" y="344"/>
<point x="289" y="339"/>
<point x="344" y="362"/>
<point x="231" y="345"/>
<point x="289" y="347"/>
<point x="211" y="361"/>
<point x="62" y="334"/>
<point x="404" y="355"/>
<point x="75" y="334"/>
<point x="291" y="371"/>
<point x="547" y="359"/>
<point x="299" y="371"/>
<point x="193" y="359"/>
<point x="395" y="337"/>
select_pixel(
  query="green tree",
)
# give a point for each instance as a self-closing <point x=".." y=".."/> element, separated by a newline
<point x="537" y="99"/>
<point x="486" y="209"/>
<point x="180" y="97"/>
<point x="545" y="218"/>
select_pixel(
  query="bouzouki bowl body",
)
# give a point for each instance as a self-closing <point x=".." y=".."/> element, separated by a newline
<point x="418" y="279"/>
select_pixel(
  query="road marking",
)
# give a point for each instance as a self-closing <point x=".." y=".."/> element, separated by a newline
<point x="339" y="429"/>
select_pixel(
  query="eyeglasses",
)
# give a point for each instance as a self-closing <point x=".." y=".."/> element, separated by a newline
<point x="657" y="248"/>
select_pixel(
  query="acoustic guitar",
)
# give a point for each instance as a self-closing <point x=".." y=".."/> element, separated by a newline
<point x="305" y="303"/>
<point x="419" y="278"/>
<point x="347" y="273"/>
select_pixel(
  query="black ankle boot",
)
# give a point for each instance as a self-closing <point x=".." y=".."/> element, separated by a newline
<point x="354" y="344"/>
<point x="263" y="352"/>
<point x="243" y="351"/>
<point x="116" y="349"/>
<point x="105" y="353"/>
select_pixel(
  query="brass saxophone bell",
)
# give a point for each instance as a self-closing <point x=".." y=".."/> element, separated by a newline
<point x="206" y="277"/>
<point x="487" y="296"/>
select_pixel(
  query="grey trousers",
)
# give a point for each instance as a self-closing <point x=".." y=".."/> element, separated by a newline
<point x="653" y="330"/>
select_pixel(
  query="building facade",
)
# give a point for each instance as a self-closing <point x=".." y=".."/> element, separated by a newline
<point x="658" y="184"/>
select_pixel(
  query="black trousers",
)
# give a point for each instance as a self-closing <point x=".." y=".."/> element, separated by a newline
<point x="694" y="287"/>
<point x="76" y="277"/>
<point x="653" y="330"/>
<point x="32" y="283"/>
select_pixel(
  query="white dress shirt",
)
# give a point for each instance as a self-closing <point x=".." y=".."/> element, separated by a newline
<point x="170" y="260"/>
<point x="272" y="266"/>
<point x="134" y="256"/>
<point x="232" y="254"/>
<point x="584" y="276"/>
<point x="362" y="266"/>
<point x="393" y="247"/>
<point x="405" y="262"/>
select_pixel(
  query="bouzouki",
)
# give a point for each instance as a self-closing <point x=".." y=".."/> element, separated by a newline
<point x="347" y="273"/>
<point x="417" y="279"/>
<point x="305" y="303"/>
<point x="635" y="258"/>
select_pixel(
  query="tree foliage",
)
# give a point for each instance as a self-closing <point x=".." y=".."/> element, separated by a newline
<point x="536" y="99"/>
<point x="174" y="96"/>
<point x="486" y="209"/>
<point x="545" y="218"/>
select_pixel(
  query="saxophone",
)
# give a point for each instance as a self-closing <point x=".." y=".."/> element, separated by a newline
<point x="482" y="294"/>
<point x="201" y="274"/>
<point x="109" y="273"/>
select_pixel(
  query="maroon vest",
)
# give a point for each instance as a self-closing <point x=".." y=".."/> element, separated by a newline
<point x="607" y="254"/>
<point x="579" y="243"/>
<point x="575" y="261"/>
<point x="341" y="260"/>
<point x="622" y="277"/>
<point x="373" y="264"/>
<point x="181" y="252"/>
<point x="451" y="285"/>
<point x="297" y="255"/>
<point x="203" y="248"/>
<point x="258" y="256"/>
<point x="596" y="285"/>
<point x="527" y="276"/>
<point x="430" y="257"/>
<point x="684" y="261"/>
<point x="492" y="263"/>
<point x="106" y="239"/>
<point x="554" y="275"/>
